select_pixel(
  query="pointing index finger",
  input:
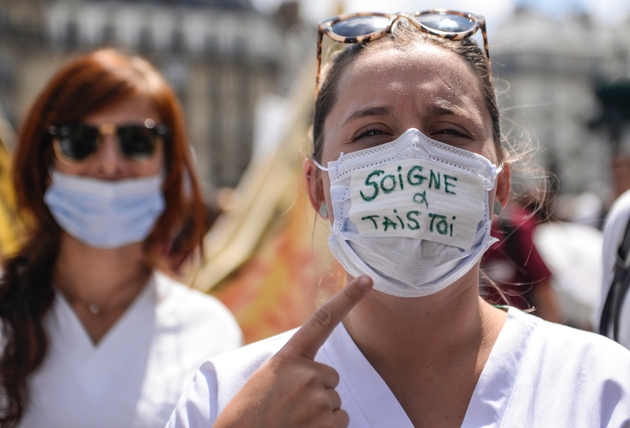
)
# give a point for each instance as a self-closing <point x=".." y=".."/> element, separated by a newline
<point x="312" y="335"/>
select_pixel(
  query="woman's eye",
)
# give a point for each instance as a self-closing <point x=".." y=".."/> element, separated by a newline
<point x="453" y="132"/>
<point x="452" y="136"/>
<point x="369" y="133"/>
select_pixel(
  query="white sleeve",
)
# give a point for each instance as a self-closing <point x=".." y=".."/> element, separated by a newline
<point x="197" y="407"/>
<point x="219" y="379"/>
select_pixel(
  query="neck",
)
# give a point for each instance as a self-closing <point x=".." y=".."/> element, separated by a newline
<point x="103" y="278"/>
<point x="430" y="351"/>
<point x="406" y="332"/>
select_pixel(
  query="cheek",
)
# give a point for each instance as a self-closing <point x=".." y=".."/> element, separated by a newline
<point x="330" y="154"/>
<point x="326" y="185"/>
<point x="151" y="166"/>
<point x="332" y="141"/>
<point x="67" y="168"/>
<point x="157" y="164"/>
<point x="489" y="151"/>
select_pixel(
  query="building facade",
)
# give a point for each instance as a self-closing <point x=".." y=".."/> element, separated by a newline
<point x="547" y="71"/>
<point x="219" y="55"/>
<point x="222" y="56"/>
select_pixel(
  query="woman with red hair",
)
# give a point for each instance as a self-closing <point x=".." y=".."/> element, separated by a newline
<point x="93" y="334"/>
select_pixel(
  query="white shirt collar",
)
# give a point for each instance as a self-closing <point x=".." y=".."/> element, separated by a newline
<point x="361" y="387"/>
<point x="492" y="395"/>
<point x="70" y="333"/>
<point x="366" y="395"/>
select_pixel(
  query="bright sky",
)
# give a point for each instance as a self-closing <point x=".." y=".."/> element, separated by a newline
<point x="611" y="11"/>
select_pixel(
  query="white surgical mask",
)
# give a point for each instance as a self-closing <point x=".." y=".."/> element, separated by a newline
<point x="413" y="214"/>
<point x="105" y="214"/>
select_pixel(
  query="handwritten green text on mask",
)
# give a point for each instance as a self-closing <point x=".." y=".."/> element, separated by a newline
<point x="419" y="199"/>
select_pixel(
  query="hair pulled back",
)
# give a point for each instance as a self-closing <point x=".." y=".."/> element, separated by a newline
<point x="404" y="36"/>
<point x="83" y="86"/>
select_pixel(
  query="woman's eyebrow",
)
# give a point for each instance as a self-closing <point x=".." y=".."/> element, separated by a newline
<point x="444" y="109"/>
<point x="369" y="111"/>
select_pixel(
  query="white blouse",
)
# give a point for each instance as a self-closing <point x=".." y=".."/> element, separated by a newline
<point x="135" y="374"/>
<point x="538" y="374"/>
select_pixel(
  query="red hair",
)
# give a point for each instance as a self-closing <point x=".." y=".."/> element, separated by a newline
<point x="82" y="86"/>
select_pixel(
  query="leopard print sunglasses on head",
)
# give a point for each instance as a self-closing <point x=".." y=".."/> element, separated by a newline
<point x="366" y="26"/>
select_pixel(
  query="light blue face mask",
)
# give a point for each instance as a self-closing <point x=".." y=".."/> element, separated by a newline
<point x="105" y="214"/>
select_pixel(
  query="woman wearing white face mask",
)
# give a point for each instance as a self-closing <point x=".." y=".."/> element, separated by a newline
<point x="407" y="133"/>
<point x="93" y="334"/>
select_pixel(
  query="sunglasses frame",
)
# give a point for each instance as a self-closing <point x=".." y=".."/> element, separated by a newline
<point x="160" y="131"/>
<point x="325" y="27"/>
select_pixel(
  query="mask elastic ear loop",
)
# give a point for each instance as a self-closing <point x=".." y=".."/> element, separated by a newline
<point x="323" y="168"/>
<point x="497" y="171"/>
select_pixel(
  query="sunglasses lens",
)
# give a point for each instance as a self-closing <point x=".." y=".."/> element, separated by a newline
<point x="77" y="142"/>
<point x="446" y="22"/>
<point x="137" y="142"/>
<point x="360" y="26"/>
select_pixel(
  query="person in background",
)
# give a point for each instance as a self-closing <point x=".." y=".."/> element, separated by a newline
<point x="620" y="169"/>
<point x="615" y="229"/>
<point x="612" y="317"/>
<point x="408" y="166"/>
<point x="518" y="273"/>
<point x="94" y="333"/>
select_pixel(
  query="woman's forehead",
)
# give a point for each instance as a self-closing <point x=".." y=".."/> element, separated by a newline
<point x="425" y="74"/>
<point x="135" y="108"/>
<point x="416" y="64"/>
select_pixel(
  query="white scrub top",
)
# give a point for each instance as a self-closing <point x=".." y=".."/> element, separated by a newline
<point x="137" y="371"/>
<point x="614" y="229"/>
<point x="573" y="253"/>
<point x="538" y="374"/>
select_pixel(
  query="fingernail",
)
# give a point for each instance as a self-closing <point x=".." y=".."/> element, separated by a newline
<point x="364" y="282"/>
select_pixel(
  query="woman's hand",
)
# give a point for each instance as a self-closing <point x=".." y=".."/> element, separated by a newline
<point x="291" y="389"/>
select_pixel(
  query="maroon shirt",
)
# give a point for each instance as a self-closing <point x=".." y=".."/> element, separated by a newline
<point x="513" y="263"/>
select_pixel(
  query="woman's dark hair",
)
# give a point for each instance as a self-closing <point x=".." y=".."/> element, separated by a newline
<point x="83" y="86"/>
<point x="404" y="36"/>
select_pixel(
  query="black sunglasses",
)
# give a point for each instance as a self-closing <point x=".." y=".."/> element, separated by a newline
<point x="365" y="26"/>
<point x="76" y="142"/>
